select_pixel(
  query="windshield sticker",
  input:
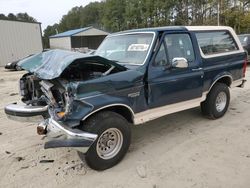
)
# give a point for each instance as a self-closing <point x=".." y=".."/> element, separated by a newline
<point x="138" y="47"/>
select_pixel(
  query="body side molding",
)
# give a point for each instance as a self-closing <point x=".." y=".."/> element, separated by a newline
<point x="155" y="113"/>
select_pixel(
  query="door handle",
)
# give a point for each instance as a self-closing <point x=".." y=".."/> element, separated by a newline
<point x="197" y="69"/>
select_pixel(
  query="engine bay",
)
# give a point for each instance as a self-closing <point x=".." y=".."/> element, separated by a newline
<point x="56" y="93"/>
<point x="82" y="70"/>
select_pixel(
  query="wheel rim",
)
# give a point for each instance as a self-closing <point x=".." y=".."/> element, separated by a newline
<point x="109" y="143"/>
<point x="221" y="101"/>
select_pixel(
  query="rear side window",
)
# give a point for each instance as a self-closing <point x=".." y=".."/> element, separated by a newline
<point x="216" y="42"/>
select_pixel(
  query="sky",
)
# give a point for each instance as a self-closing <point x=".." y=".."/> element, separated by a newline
<point x="47" y="12"/>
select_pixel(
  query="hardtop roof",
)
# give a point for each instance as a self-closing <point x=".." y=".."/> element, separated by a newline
<point x="175" y="28"/>
<point x="154" y="29"/>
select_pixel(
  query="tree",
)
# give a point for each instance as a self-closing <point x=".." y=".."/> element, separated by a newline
<point x="12" y="16"/>
<point x="18" y="17"/>
<point x="71" y="20"/>
<point x="114" y="15"/>
<point x="117" y="15"/>
<point x="25" y="17"/>
<point x="92" y="15"/>
<point x="49" y="31"/>
<point x="3" y="17"/>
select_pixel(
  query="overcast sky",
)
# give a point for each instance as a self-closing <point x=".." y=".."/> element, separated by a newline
<point x="47" y="12"/>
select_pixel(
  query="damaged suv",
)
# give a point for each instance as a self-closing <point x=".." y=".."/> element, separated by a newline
<point x="88" y="102"/>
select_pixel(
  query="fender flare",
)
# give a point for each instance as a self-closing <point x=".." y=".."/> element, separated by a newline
<point x="108" y="106"/>
<point x="217" y="78"/>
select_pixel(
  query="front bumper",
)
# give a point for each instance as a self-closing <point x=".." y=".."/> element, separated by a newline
<point x="57" y="133"/>
<point x="60" y="135"/>
<point x="25" y="113"/>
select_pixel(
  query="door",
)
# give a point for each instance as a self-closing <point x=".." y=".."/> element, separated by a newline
<point x="168" y="84"/>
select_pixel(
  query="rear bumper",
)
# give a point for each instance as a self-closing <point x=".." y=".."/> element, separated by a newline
<point x="60" y="135"/>
<point x="238" y="83"/>
<point x="242" y="83"/>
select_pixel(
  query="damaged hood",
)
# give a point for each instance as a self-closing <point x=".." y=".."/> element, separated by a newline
<point x="50" y="64"/>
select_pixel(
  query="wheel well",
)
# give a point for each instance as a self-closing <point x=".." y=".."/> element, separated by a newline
<point x="226" y="80"/>
<point x="122" y="110"/>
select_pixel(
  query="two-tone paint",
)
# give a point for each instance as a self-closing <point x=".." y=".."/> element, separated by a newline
<point x="146" y="92"/>
<point x="139" y="93"/>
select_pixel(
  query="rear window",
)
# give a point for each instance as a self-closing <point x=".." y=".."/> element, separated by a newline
<point x="216" y="42"/>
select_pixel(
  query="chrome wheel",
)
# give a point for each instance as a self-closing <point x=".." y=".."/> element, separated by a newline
<point x="109" y="143"/>
<point x="221" y="101"/>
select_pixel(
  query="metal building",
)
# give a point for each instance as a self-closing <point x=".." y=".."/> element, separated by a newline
<point x="18" y="40"/>
<point x="88" y="37"/>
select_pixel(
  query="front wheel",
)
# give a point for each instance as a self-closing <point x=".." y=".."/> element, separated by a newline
<point x="217" y="101"/>
<point x="112" y="142"/>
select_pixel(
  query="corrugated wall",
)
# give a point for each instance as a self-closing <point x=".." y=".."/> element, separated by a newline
<point x="91" y="42"/>
<point x="60" y="43"/>
<point x="18" y="39"/>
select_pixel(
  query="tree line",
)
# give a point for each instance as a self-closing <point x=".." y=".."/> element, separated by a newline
<point x="116" y="15"/>
<point x="18" y="17"/>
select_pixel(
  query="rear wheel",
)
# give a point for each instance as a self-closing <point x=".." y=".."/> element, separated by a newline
<point x="112" y="142"/>
<point x="217" y="101"/>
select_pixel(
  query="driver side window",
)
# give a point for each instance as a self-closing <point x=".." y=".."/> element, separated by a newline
<point x="161" y="57"/>
<point x="179" y="46"/>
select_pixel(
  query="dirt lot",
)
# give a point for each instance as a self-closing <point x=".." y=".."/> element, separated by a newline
<point x="179" y="150"/>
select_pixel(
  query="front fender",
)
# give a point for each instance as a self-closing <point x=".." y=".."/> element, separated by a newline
<point x="82" y="108"/>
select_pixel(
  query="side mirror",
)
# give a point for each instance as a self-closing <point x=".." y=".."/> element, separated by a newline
<point x="179" y="62"/>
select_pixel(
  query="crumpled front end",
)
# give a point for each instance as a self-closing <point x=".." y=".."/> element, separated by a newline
<point x="49" y="92"/>
<point x="59" y="118"/>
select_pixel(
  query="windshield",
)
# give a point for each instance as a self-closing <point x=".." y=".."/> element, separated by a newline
<point x="127" y="48"/>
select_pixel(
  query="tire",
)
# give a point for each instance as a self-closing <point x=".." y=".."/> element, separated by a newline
<point x="217" y="101"/>
<point x="114" y="134"/>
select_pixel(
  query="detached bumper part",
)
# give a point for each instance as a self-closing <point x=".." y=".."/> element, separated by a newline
<point x="60" y="135"/>
<point x="26" y="113"/>
<point x="242" y="83"/>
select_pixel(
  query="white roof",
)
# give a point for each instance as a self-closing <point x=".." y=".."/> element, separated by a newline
<point x="205" y="28"/>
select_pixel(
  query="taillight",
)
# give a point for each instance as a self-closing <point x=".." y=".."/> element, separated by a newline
<point x="244" y="68"/>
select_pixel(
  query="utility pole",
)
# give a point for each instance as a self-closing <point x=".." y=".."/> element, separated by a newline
<point x="218" y="13"/>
